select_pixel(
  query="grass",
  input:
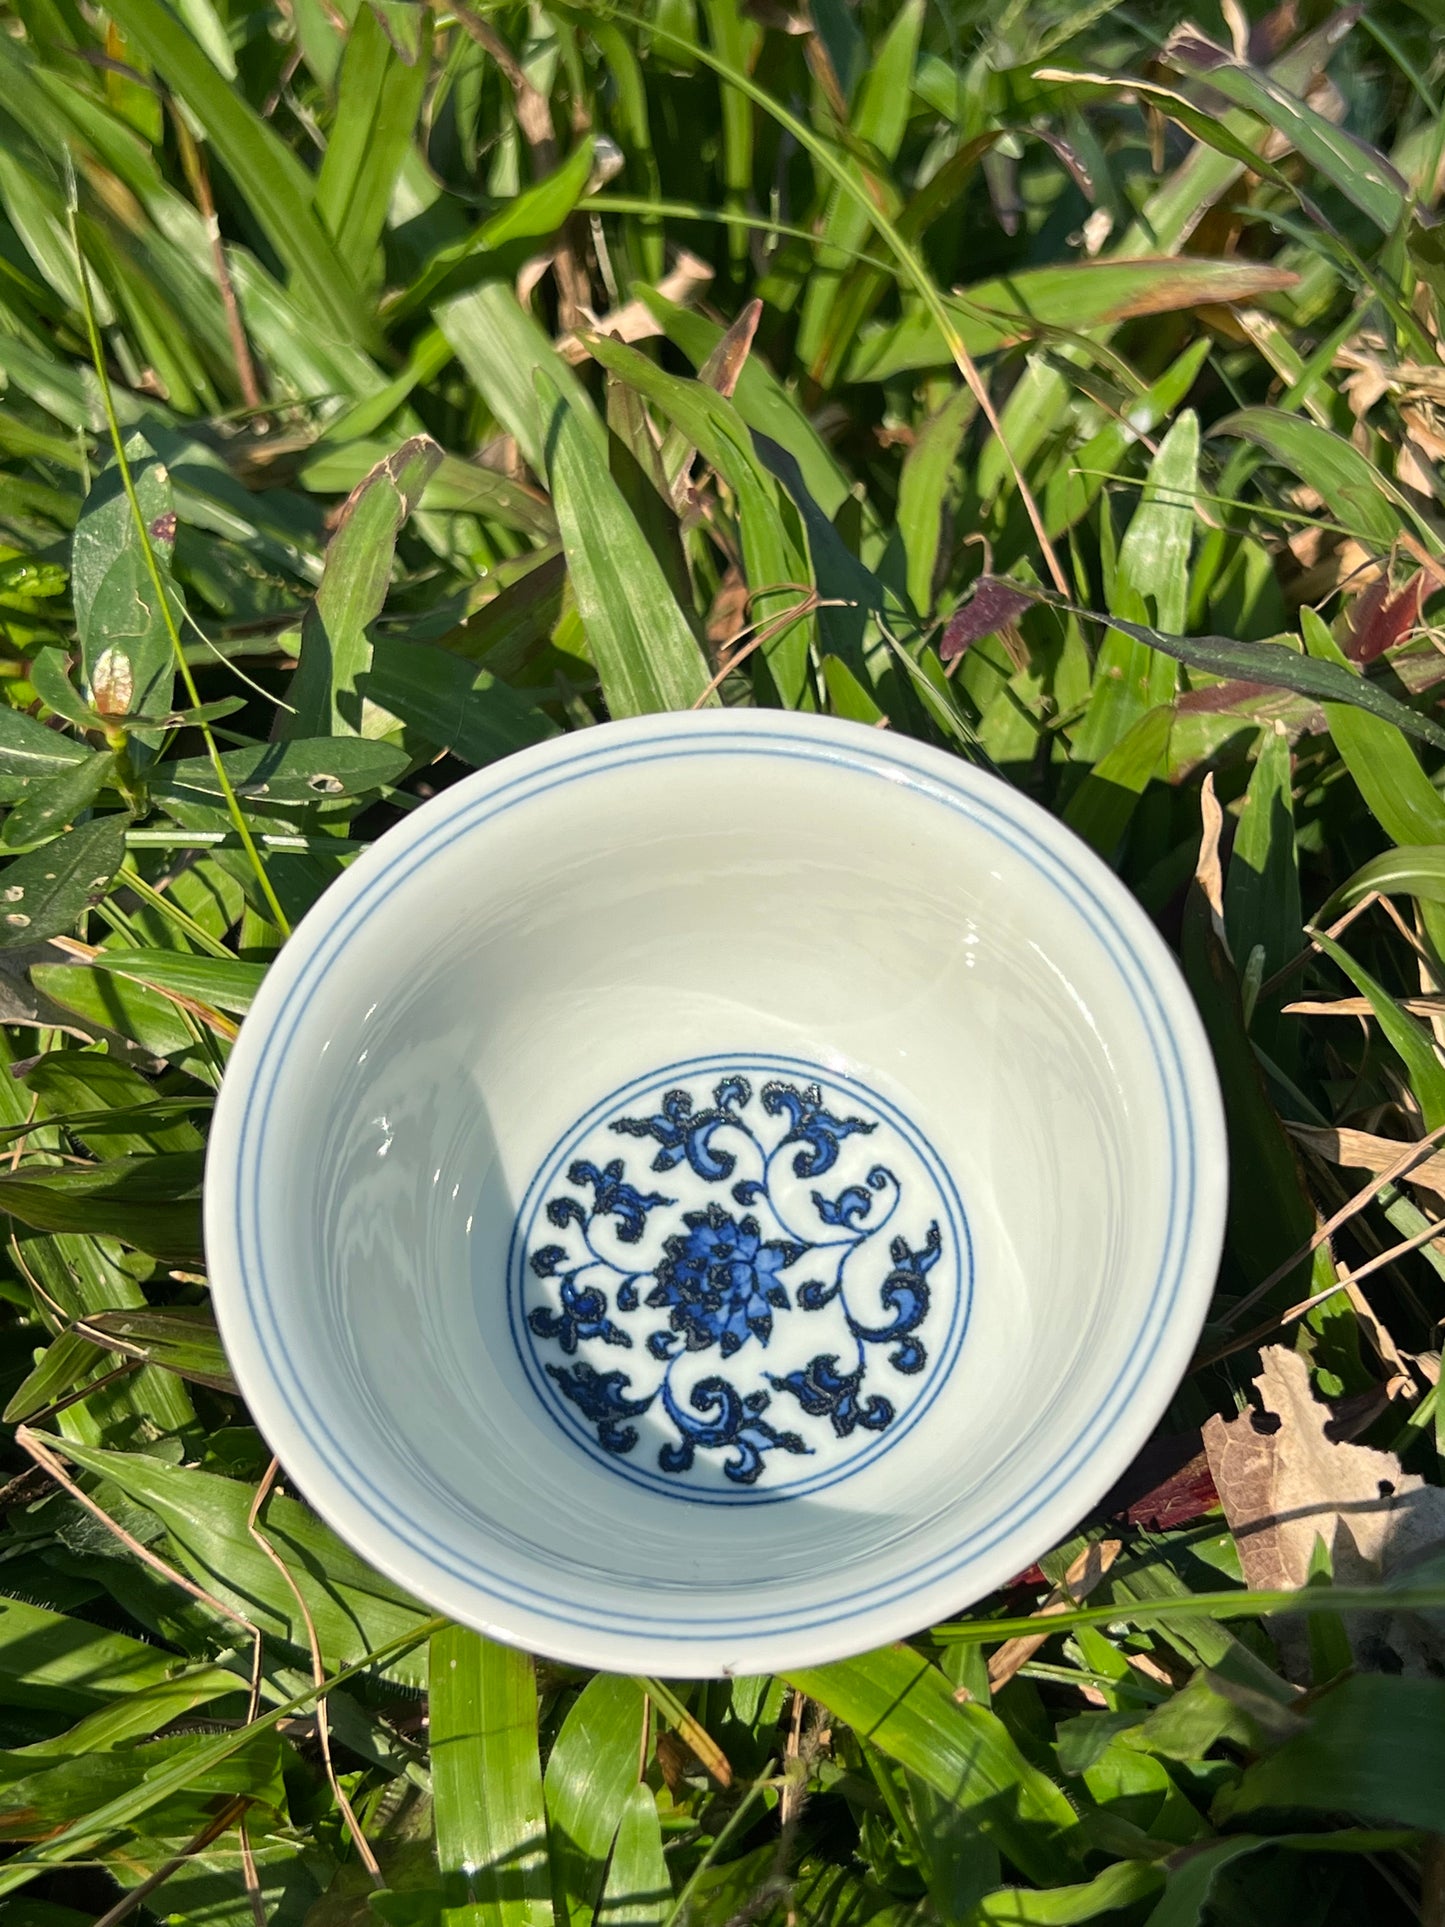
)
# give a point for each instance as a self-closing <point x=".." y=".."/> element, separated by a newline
<point x="358" y="366"/>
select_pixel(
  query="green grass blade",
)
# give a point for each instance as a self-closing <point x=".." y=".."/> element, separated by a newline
<point x="928" y="472"/>
<point x="760" y="398"/>
<point x="73" y="1085"/>
<point x="846" y="695"/>
<point x="335" y="645"/>
<point x="896" y="1701"/>
<point x="638" y="1892"/>
<point x="444" y="703"/>
<point x="1152" y="569"/>
<point x="378" y="101"/>
<point x="646" y="653"/>
<point x="491" y="1826"/>
<point x="141" y="1711"/>
<point x="1359" y="171"/>
<point x="1100" y="809"/>
<point x="123" y="1811"/>
<point x="1278" y="665"/>
<point x="736" y="40"/>
<point x="153" y="568"/>
<point x="46" y="894"/>
<point x="878" y="124"/>
<point x="1413" y="1043"/>
<point x="1374" y="1747"/>
<point x="1357" y="493"/>
<point x="182" y="1339"/>
<point x="50" y="1660"/>
<point x="1191" y="1879"/>
<point x="117" y="1199"/>
<point x="1074" y="486"/>
<point x="1270" y="1215"/>
<point x="1385" y="769"/>
<point x="223" y="985"/>
<point x="776" y="572"/>
<point x="526" y="220"/>
<point x="454" y="487"/>
<point x="1262" y="889"/>
<point x="279" y="189"/>
<point x="64" y="1363"/>
<point x="503" y="348"/>
<point x="1124" y="1885"/>
<point x="994" y="314"/>
<point x="1412" y="870"/>
<point x="205" y="1517"/>
<point x="1400" y="795"/>
<point x="591" y="1774"/>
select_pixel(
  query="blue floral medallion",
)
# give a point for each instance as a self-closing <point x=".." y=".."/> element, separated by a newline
<point x="740" y="1278"/>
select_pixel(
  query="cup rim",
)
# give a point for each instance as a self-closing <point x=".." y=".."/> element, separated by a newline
<point x="346" y="1496"/>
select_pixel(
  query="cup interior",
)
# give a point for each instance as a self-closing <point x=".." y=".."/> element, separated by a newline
<point x="719" y="1190"/>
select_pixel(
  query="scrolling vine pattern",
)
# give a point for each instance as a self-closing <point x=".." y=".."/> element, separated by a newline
<point x="633" y="1270"/>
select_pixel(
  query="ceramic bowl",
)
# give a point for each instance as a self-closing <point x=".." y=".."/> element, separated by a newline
<point x="714" y="1193"/>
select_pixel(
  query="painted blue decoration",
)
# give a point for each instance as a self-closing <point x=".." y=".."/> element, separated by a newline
<point x="756" y="1296"/>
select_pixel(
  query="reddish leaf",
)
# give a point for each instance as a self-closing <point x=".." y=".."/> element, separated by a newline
<point x="1169" y="1484"/>
<point x="993" y="604"/>
<point x="1378" y="620"/>
<point x="1035" y="1576"/>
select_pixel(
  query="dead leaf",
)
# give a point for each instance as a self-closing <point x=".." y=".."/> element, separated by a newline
<point x="1412" y="473"/>
<point x="1151" y="1669"/>
<point x="1237" y="21"/>
<point x="1284" y="1482"/>
<point x="1207" y="872"/>
<point x="1096" y="231"/>
<point x="1432" y="1006"/>
<point x="676" y="1761"/>
<point x="1327" y="561"/>
<point x="1361" y="1151"/>
<point x="725" y="364"/>
<point x="634" y="320"/>
<point x="1364" y="388"/>
<point x="1424" y="424"/>
<point x="727" y="620"/>
<point x="1079" y="1581"/>
<point x="113" y="683"/>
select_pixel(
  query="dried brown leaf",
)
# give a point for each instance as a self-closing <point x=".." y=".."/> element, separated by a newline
<point x="1362" y="1151"/>
<point x="725" y="364"/>
<point x="1080" y="1580"/>
<point x="1284" y="1482"/>
<point x="1207" y="872"/>
<point x="634" y="320"/>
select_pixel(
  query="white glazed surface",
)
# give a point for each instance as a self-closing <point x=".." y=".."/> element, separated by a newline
<point x="726" y="886"/>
